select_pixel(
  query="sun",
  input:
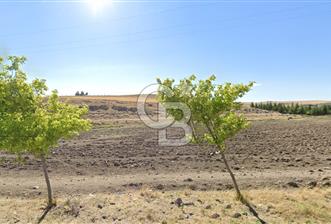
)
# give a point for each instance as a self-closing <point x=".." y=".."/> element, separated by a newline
<point x="98" y="5"/>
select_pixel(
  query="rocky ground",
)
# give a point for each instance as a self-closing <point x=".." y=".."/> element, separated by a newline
<point x="120" y="153"/>
<point x="171" y="207"/>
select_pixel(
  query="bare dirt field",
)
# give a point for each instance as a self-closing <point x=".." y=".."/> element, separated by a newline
<point x="120" y="155"/>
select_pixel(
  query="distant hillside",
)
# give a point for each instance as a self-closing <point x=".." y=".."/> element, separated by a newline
<point x="302" y="102"/>
<point x="152" y="99"/>
<point x="120" y="98"/>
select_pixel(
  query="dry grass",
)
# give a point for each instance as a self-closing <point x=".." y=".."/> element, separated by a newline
<point x="152" y="99"/>
<point x="147" y="206"/>
<point x="123" y="98"/>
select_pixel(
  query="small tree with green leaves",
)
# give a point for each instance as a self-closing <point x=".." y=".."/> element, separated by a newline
<point x="214" y="108"/>
<point x="30" y="122"/>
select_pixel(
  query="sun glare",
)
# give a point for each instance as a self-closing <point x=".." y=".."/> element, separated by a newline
<point x="98" y="5"/>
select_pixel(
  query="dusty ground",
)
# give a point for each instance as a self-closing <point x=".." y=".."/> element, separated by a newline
<point x="170" y="207"/>
<point x="121" y="154"/>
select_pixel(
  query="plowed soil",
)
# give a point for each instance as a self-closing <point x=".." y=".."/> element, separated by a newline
<point x="121" y="153"/>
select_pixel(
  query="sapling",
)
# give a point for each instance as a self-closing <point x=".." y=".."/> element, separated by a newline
<point x="214" y="109"/>
<point x="31" y="122"/>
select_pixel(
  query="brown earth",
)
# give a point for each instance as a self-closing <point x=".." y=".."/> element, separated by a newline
<point x="121" y="153"/>
<point x="117" y="172"/>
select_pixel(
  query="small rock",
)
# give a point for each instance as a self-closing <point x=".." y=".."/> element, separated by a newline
<point x="35" y="187"/>
<point x="188" y="180"/>
<point x="215" y="216"/>
<point x="293" y="184"/>
<point x="135" y="184"/>
<point x="100" y="206"/>
<point x="160" y="187"/>
<point x="269" y="207"/>
<point x="193" y="187"/>
<point x="236" y="215"/>
<point x="228" y="206"/>
<point x="312" y="184"/>
<point x="208" y="207"/>
<point x="325" y="178"/>
<point x="326" y="184"/>
<point x="179" y="202"/>
<point x="189" y="204"/>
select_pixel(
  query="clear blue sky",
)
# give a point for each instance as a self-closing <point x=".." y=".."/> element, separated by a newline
<point x="119" y="49"/>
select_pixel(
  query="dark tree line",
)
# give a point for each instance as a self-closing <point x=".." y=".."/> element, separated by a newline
<point x="322" y="109"/>
<point x="81" y="93"/>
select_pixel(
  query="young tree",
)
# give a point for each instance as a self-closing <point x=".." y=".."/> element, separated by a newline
<point x="29" y="122"/>
<point x="214" y="107"/>
<point x="281" y="108"/>
<point x="324" y="109"/>
<point x="301" y="110"/>
<point x="296" y="109"/>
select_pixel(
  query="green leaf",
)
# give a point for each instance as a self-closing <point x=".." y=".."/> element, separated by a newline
<point x="30" y="123"/>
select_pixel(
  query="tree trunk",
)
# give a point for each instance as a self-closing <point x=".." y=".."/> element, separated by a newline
<point x="234" y="181"/>
<point x="239" y="195"/>
<point x="238" y="192"/>
<point x="194" y="134"/>
<point x="48" y="183"/>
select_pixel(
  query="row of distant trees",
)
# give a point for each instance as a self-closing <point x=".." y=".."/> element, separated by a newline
<point x="294" y="108"/>
<point x="81" y="93"/>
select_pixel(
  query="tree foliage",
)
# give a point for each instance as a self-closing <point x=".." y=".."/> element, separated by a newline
<point x="81" y="93"/>
<point x="30" y="122"/>
<point x="294" y="108"/>
<point x="214" y="107"/>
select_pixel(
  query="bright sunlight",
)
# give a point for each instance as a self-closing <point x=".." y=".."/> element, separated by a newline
<point x="98" y="5"/>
